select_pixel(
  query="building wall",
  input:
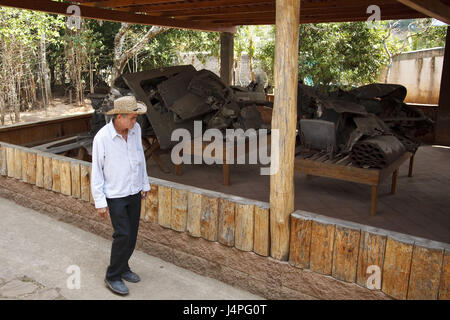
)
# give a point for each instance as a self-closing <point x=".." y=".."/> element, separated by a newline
<point x="420" y="72"/>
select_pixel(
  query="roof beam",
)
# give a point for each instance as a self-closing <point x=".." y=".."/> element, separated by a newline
<point x="122" y="3"/>
<point x="212" y="4"/>
<point x="433" y="8"/>
<point x="112" y="15"/>
<point x="311" y="14"/>
<point x="218" y="11"/>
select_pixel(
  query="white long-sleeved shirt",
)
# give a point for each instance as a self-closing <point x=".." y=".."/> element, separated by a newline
<point x="118" y="166"/>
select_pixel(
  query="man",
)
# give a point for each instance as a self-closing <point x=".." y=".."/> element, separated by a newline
<point x="119" y="180"/>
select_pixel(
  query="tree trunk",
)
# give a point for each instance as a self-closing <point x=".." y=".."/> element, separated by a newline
<point x="45" y="72"/>
<point x="121" y="58"/>
<point x="91" y="76"/>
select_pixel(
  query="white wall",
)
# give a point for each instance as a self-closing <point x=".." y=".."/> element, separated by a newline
<point x="420" y="72"/>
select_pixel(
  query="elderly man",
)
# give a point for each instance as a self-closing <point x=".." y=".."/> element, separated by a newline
<point x="119" y="180"/>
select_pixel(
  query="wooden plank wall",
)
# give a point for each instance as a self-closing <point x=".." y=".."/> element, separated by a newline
<point x="45" y="170"/>
<point x="409" y="267"/>
<point x="213" y="216"/>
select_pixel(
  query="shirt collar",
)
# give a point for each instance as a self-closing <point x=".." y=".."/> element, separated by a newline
<point x="114" y="133"/>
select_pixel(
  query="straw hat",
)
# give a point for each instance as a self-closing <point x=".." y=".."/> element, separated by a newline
<point x="127" y="104"/>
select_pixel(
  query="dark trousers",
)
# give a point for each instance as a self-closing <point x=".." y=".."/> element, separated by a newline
<point x="125" y="214"/>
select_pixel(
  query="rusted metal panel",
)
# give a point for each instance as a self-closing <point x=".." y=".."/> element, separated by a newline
<point x="162" y="123"/>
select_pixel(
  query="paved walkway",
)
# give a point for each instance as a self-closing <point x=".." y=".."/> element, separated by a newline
<point x="36" y="252"/>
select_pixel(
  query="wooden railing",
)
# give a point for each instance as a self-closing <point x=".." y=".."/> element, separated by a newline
<point x="40" y="132"/>
<point x="409" y="267"/>
<point x="214" y="216"/>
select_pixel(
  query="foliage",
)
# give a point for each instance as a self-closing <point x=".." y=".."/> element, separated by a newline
<point x="346" y="54"/>
<point x="23" y="36"/>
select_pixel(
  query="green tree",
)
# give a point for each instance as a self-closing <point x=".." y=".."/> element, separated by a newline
<point x="24" y="38"/>
<point x="347" y="54"/>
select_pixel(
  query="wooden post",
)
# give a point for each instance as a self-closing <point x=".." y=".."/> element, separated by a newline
<point x="443" y="121"/>
<point x="284" y="120"/>
<point x="65" y="178"/>
<point x="261" y="241"/>
<point x="10" y="162"/>
<point x="24" y="156"/>
<point x="394" y="182"/>
<point x="226" y="57"/>
<point x="226" y="222"/>
<point x="75" y="176"/>
<point x="164" y="206"/>
<point x="48" y="173"/>
<point x="85" y="183"/>
<point x="374" y="202"/>
<point x="397" y="267"/>
<point x="56" y="175"/>
<point x="209" y="219"/>
<point x="31" y="167"/>
<point x="39" y="170"/>
<point x="151" y="211"/>
<point x="3" y="161"/>
<point x="244" y="229"/>
<point x="300" y="246"/>
<point x="372" y="248"/>
<point x="18" y="164"/>
<point x="179" y="209"/>
<point x="194" y="214"/>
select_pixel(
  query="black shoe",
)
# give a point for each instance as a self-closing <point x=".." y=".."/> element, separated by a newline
<point x="117" y="286"/>
<point x="130" y="276"/>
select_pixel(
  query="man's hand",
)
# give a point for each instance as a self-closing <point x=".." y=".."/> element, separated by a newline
<point x="103" y="212"/>
<point x="144" y="194"/>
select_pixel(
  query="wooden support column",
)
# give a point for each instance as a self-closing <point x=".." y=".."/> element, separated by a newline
<point x="284" y="120"/>
<point x="443" y="122"/>
<point x="226" y="57"/>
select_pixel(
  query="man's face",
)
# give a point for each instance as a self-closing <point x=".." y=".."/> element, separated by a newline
<point x="126" y="121"/>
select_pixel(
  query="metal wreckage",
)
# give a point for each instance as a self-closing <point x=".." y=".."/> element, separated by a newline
<point x="371" y="123"/>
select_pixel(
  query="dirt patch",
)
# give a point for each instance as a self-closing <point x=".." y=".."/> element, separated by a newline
<point x="57" y="108"/>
